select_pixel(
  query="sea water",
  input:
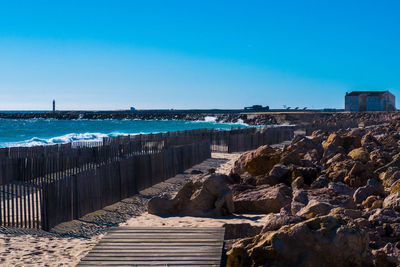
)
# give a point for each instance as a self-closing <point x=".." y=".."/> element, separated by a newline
<point x="34" y="132"/>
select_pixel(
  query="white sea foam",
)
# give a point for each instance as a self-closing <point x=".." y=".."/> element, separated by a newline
<point x="210" y="119"/>
<point x="68" y="138"/>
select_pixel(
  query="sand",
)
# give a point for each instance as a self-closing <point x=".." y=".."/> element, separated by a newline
<point x="68" y="242"/>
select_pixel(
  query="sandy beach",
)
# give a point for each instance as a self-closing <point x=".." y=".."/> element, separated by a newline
<point x="68" y="242"/>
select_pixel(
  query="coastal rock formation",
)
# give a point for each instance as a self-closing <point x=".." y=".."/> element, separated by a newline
<point x="373" y="187"/>
<point x="261" y="161"/>
<point x="351" y="174"/>
<point x="392" y="201"/>
<point x="210" y="197"/>
<point x="264" y="199"/>
<point x="322" y="241"/>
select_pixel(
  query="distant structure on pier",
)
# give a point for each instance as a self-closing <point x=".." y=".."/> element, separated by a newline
<point x="54" y="106"/>
<point x="257" y="108"/>
<point x="370" y="101"/>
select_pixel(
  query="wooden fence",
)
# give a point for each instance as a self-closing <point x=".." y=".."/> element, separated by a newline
<point x="43" y="186"/>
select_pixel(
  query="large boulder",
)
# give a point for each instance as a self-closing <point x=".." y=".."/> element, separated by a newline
<point x="359" y="154"/>
<point x="262" y="161"/>
<point x="372" y="187"/>
<point x="280" y="171"/>
<point x="317" y="202"/>
<point x="395" y="163"/>
<point x="392" y="201"/>
<point x="274" y="221"/>
<point x="388" y="255"/>
<point x="333" y="139"/>
<point x="390" y="176"/>
<point x="315" y="208"/>
<point x="337" y="171"/>
<point x="358" y="175"/>
<point x="212" y="197"/>
<point x="264" y="199"/>
<point x="238" y="167"/>
<point x="322" y="241"/>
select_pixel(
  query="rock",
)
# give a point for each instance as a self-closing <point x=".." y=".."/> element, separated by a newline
<point x="333" y="139"/>
<point x="321" y="241"/>
<point x="337" y="158"/>
<point x="377" y="204"/>
<point x="392" y="201"/>
<point x="248" y="179"/>
<point x="298" y="183"/>
<point x="301" y="198"/>
<point x="390" y="176"/>
<point x="262" y="161"/>
<point x="264" y="199"/>
<point x="351" y="213"/>
<point x="385" y="215"/>
<point x="267" y="179"/>
<point x="341" y="188"/>
<point x="358" y="175"/>
<point x="238" y="167"/>
<point x="291" y="157"/>
<point x="367" y="203"/>
<point x="309" y="174"/>
<point x="362" y="223"/>
<point x="331" y="150"/>
<point x="196" y="172"/>
<point x="322" y="181"/>
<point x="352" y="141"/>
<point x="280" y="171"/>
<point x="360" y="154"/>
<point x="314" y="208"/>
<point x="274" y="221"/>
<point x="372" y="187"/>
<point x="387" y="256"/>
<point x="312" y="156"/>
<point x="395" y="188"/>
<point x="209" y="198"/>
<point x="238" y="188"/>
<point x="394" y="163"/>
<point x="240" y="230"/>
<point x="380" y="157"/>
<point x="369" y="140"/>
<point x="337" y="171"/>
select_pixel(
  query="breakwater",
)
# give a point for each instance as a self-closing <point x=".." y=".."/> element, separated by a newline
<point x="252" y="118"/>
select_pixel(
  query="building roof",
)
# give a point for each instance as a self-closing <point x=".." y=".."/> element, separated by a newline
<point x="369" y="93"/>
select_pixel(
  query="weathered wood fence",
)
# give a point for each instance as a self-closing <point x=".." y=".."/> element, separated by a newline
<point x="43" y="186"/>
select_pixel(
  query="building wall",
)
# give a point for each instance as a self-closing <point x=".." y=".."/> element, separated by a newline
<point x="374" y="103"/>
<point x="363" y="102"/>
<point x="389" y="102"/>
<point x="351" y="103"/>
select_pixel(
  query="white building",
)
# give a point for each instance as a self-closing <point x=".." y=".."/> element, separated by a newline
<point x="370" y="101"/>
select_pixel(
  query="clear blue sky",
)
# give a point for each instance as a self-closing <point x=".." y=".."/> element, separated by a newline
<point x="195" y="54"/>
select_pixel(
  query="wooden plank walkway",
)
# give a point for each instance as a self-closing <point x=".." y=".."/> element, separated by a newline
<point x="158" y="246"/>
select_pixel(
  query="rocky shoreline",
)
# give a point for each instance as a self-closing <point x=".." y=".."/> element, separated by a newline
<point x="328" y="199"/>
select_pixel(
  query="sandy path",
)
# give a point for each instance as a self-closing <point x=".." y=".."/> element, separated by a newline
<point x="68" y="242"/>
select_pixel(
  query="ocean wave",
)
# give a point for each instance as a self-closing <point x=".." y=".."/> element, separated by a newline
<point x="68" y="138"/>
<point x="210" y="119"/>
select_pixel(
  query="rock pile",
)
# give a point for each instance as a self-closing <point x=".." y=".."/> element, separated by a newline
<point x="332" y="199"/>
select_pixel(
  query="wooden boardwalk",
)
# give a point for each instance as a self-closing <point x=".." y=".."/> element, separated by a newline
<point x="158" y="246"/>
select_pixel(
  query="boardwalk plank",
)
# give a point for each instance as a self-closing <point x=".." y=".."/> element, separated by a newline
<point x="129" y="246"/>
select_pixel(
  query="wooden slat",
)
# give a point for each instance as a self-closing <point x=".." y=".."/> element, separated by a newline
<point x="150" y="263"/>
<point x="129" y="246"/>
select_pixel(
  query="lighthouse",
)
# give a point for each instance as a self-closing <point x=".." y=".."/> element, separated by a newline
<point x="54" y="106"/>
